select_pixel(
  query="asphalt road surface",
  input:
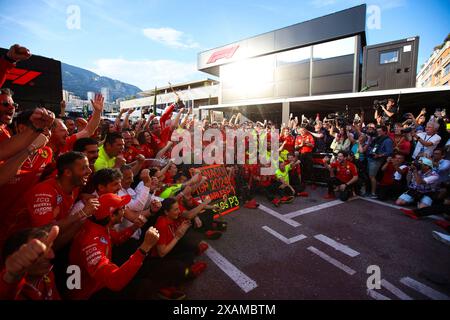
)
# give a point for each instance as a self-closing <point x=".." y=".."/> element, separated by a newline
<point x="317" y="249"/>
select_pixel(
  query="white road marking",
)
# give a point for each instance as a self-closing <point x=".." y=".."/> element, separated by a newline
<point x="381" y="203"/>
<point x="375" y="295"/>
<point x="425" y="290"/>
<point x="394" y="290"/>
<point x="337" y="246"/>
<point x="283" y="238"/>
<point x="333" y="261"/>
<point x="241" y="279"/>
<point x="279" y="216"/>
<point x="314" y="208"/>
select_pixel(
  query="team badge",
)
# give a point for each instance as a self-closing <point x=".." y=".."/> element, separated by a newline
<point x="103" y="240"/>
<point x="58" y="199"/>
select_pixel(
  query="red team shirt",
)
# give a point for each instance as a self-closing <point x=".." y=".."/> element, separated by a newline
<point x="47" y="203"/>
<point x="91" y="251"/>
<point x="345" y="171"/>
<point x="302" y="139"/>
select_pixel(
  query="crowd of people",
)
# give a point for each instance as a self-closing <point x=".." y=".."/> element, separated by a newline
<point x="109" y="199"/>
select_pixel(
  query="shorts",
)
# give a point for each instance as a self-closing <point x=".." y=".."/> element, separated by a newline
<point x="426" y="200"/>
<point x="373" y="167"/>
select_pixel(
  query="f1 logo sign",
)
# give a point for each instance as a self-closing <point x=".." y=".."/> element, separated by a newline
<point x="226" y="53"/>
<point x="21" y="76"/>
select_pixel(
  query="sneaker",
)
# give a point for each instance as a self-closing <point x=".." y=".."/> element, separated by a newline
<point x="250" y="205"/>
<point x="409" y="213"/>
<point x="444" y="238"/>
<point x="171" y="293"/>
<point x="202" y="247"/>
<point x="276" y="202"/>
<point x="219" y="225"/>
<point x="288" y="199"/>
<point x="329" y="196"/>
<point x="443" y="224"/>
<point x="303" y="194"/>
<point x="197" y="268"/>
<point x="373" y="196"/>
<point x="253" y="202"/>
<point x="213" y="235"/>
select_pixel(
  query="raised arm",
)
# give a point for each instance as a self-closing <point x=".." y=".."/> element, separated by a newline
<point x="93" y="123"/>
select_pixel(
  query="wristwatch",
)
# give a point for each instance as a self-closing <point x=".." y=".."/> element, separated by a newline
<point x="144" y="253"/>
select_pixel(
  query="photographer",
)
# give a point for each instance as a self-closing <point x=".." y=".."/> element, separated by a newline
<point x="399" y="137"/>
<point x="393" y="183"/>
<point x="423" y="185"/>
<point x="380" y="148"/>
<point x="426" y="141"/>
<point x="343" y="175"/>
<point x="385" y="113"/>
<point x="341" y="142"/>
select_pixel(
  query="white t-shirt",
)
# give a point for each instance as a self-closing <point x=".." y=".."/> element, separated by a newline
<point x="398" y="175"/>
<point x="420" y="148"/>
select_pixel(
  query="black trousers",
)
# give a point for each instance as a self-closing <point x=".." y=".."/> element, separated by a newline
<point x="392" y="191"/>
<point x="342" y="195"/>
<point x="307" y="165"/>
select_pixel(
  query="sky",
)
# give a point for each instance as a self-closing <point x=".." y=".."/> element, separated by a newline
<point x="150" y="42"/>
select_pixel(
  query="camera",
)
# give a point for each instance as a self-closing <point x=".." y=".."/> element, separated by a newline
<point x="407" y="130"/>
<point x="378" y="103"/>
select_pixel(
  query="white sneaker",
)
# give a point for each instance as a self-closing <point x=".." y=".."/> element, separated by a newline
<point x="444" y="238"/>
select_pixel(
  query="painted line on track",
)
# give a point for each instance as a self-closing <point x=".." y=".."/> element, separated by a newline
<point x="423" y="289"/>
<point x="333" y="261"/>
<point x="241" y="279"/>
<point x="279" y="216"/>
<point x="283" y="238"/>
<point x="395" y="291"/>
<point x="337" y="246"/>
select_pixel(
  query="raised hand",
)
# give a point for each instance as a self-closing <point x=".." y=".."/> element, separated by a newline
<point x="18" y="53"/>
<point x="151" y="238"/>
<point x="98" y="102"/>
<point x="42" y="118"/>
<point x="18" y="263"/>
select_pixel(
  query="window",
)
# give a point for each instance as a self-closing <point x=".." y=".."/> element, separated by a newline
<point x="446" y="70"/>
<point x="301" y="55"/>
<point x="389" y="57"/>
<point x="333" y="49"/>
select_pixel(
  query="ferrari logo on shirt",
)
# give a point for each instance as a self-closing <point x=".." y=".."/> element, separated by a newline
<point x="44" y="154"/>
<point x="103" y="240"/>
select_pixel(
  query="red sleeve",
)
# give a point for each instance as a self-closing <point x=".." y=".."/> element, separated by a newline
<point x="298" y="140"/>
<point x="107" y="273"/>
<point x="334" y="165"/>
<point x="5" y="67"/>
<point x="70" y="141"/>
<point x="8" y="291"/>
<point x="166" y="116"/>
<point x="353" y="170"/>
<point x="119" y="237"/>
<point x="311" y="140"/>
<point x="165" y="235"/>
<point x="41" y="205"/>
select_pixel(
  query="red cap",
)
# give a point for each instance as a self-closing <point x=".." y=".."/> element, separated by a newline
<point x="109" y="202"/>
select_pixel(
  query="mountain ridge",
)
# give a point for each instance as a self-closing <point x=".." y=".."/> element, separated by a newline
<point x="80" y="81"/>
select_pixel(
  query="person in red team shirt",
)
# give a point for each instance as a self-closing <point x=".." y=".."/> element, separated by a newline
<point x="145" y="141"/>
<point x="343" y="175"/>
<point x="304" y="144"/>
<point x="287" y="140"/>
<point x="50" y="202"/>
<point x="30" y="171"/>
<point x="15" y="54"/>
<point x="92" y="249"/>
<point x="14" y="150"/>
<point x="28" y="274"/>
<point x="61" y="142"/>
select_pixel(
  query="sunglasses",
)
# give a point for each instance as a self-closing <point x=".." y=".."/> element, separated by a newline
<point x="7" y="104"/>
